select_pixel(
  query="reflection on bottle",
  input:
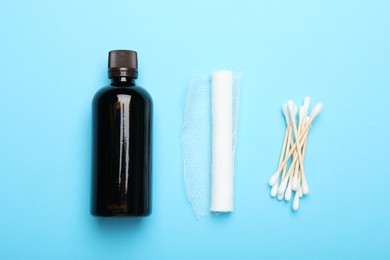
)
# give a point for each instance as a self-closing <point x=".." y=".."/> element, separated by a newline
<point x="124" y="156"/>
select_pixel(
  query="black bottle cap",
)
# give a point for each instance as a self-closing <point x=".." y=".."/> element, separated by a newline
<point x="122" y="63"/>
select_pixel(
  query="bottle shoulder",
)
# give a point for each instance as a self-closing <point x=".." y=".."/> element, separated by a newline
<point x="112" y="92"/>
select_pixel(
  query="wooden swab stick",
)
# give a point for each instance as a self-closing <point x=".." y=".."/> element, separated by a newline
<point x="298" y="192"/>
<point x="286" y="135"/>
<point x="300" y="175"/>
<point x="314" y="113"/>
<point x="286" y="180"/>
<point x="305" y="186"/>
<point x="286" y="145"/>
<point x="290" y="105"/>
<point x="302" y="119"/>
<point x="275" y="177"/>
<point x="283" y="184"/>
<point x="289" y="143"/>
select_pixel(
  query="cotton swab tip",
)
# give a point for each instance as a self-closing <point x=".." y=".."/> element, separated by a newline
<point x="306" y="103"/>
<point x="274" y="178"/>
<point x="295" y="110"/>
<point x="285" y="112"/>
<point x="280" y="196"/>
<point x="302" y="113"/>
<point x="287" y="195"/>
<point x="290" y="106"/>
<point x="282" y="187"/>
<point x="316" y="110"/>
<point x="294" y="185"/>
<point x="274" y="190"/>
<point x="296" y="202"/>
<point x="291" y="110"/>
<point x="305" y="187"/>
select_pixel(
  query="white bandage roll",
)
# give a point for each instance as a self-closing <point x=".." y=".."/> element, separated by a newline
<point x="222" y="180"/>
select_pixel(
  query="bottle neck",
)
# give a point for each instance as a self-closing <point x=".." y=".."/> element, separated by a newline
<point x="122" y="82"/>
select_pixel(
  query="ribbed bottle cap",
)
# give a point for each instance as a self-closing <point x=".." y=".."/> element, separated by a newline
<point x="122" y="63"/>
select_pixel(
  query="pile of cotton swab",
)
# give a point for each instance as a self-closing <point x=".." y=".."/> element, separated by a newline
<point x="290" y="175"/>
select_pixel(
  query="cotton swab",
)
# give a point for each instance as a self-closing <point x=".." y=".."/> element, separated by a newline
<point x="296" y="202"/>
<point x="314" y="113"/>
<point x="286" y="116"/>
<point x="295" y="205"/>
<point x="283" y="184"/>
<point x="294" y="151"/>
<point x="280" y="196"/>
<point x="289" y="143"/>
<point x="294" y="185"/>
<point x="289" y="137"/>
<point x="305" y="186"/>
<point x="302" y="176"/>
<point x="287" y="195"/>
<point x="306" y="103"/>
<point x="274" y="190"/>
<point x="282" y="188"/>
<point x="286" y="181"/>
<point x="274" y="178"/>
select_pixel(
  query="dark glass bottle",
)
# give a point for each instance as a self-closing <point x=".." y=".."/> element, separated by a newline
<point x="122" y="124"/>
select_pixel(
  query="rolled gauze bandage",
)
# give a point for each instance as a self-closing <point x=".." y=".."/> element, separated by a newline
<point x="222" y="180"/>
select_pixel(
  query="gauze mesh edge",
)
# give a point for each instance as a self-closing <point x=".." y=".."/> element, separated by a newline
<point x="196" y="140"/>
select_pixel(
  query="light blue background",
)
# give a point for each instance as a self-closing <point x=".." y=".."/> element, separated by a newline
<point x="53" y="57"/>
